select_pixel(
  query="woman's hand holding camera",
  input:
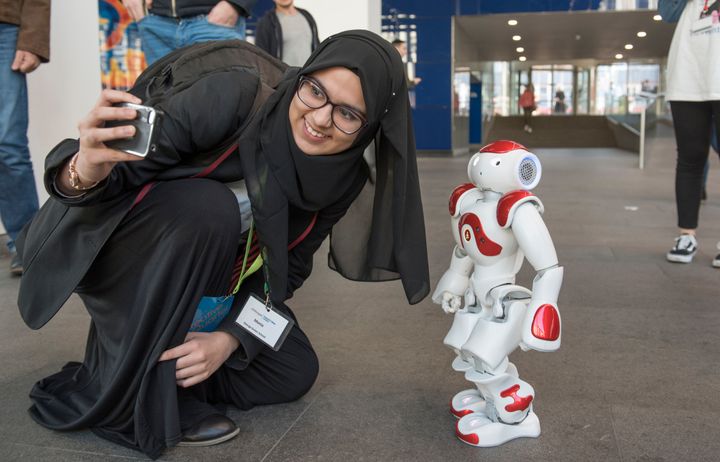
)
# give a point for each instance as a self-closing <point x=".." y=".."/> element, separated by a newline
<point x="95" y="160"/>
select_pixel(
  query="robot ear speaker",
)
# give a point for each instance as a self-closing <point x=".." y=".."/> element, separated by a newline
<point x="528" y="171"/>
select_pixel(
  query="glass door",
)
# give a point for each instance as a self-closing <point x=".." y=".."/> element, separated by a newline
<point x="563" y="89"/>
<point x="582" y="91"/>
<point x="541" y="78"/>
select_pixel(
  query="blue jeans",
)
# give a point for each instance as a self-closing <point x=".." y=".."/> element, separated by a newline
<point x="18" y="196"/>
<point x="160" y="34"/>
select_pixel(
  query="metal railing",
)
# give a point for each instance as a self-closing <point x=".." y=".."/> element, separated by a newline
<point x="651" y="104"/>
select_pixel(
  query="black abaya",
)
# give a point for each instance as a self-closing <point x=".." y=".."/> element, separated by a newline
<point x="168" y="251"/>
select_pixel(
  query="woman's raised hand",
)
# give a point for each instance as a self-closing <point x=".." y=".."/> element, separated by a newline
<point x="95" y="160"/>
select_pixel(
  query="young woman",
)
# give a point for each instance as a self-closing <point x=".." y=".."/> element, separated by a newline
<point x="527" y="104"/>
<point x="694" y="95"/>
<point x="141" y="267"/>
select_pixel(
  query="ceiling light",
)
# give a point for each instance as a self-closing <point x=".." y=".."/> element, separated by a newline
<point x="517" y="38"/>
<point x="657" y="17"/>
<point x="522" y="58"/>
<point x="519" y="49"/>
<point x="512" y="22"/>
<point x="628" y="46"/>
<point x="642" y="34"/>
<point x="619" y="56"/>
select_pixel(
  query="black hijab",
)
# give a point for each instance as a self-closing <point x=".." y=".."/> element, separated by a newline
<point x="382" y="235"/>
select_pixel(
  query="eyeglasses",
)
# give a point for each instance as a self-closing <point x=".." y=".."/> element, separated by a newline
<point x="345" y="118"/>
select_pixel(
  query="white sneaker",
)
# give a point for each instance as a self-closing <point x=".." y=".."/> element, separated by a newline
<point x="684" y="249"/>
<point x="716" y="260"/>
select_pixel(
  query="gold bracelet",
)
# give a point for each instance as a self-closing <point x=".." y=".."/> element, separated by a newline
<point x="75" y="180"/>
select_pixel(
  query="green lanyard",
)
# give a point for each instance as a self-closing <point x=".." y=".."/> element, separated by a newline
<point x="255" y="265"/>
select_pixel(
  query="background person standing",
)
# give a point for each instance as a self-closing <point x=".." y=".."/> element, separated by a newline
<point x="527" y="104"/>
<point x="24" y="44"/>
<point x="166" y="25"/>
<point x="693" y="91"/>
<point x="287" y="32"/>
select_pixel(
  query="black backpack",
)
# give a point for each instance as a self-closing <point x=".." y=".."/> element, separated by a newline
<point x="181" y="68"/>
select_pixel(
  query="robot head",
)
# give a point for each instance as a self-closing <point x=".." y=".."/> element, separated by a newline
<point x="504" y="166"/>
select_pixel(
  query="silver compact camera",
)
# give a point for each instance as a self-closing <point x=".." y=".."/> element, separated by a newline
<point x="146" y="125"/>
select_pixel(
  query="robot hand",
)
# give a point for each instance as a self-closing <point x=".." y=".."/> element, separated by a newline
<point x="451" y="302"/>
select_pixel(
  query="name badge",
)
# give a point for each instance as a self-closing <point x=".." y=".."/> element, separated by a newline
<point x="264" y="322"/>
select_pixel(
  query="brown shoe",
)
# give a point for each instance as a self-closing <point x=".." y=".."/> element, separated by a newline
<point x="212" y="430"/>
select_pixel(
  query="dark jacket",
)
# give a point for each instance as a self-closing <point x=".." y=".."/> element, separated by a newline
<point x="268" y="34"/>
<point x="65" y="236"/>
<point x="33" y="17"/>
<point x="185" y="8"/>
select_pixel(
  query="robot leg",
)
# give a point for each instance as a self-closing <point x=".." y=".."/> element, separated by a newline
<point x="469" y="401"/>
<point x="463" y="324"/>
<point x="508" y="411"/>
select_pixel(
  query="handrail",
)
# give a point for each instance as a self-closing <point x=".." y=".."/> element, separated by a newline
<point x="650" y="100"/>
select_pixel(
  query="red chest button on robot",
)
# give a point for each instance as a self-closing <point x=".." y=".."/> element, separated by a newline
<point x="485" y="245"/>
<point x="546" y="323"/>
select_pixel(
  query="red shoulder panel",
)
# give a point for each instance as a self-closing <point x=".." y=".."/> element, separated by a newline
<point x="502" y="147"/>
<point x="505" y="204"/>
<point x="455" y="196"/>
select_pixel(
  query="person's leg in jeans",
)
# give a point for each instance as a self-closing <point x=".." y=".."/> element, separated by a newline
<point x="159" y="36"/>
<point x="18" y="195"/>
<point x="198" y="29"/>
<point x="691" y="120"/>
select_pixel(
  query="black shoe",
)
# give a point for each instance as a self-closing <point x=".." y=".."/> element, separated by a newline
<point x="212" y="430"/>
<point x="16" y="266"/>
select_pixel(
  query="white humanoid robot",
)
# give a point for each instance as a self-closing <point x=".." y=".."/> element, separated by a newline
<point x="496" y="223"/>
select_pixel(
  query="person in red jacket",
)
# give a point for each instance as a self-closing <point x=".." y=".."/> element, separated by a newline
<point x="527" y="104"/>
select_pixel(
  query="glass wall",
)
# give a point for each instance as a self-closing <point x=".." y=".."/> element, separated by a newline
<point x="567" y="89"/>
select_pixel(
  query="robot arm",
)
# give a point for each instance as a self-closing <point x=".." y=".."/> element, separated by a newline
<point x="454" y="282"/>
<point x="542" y="326"/>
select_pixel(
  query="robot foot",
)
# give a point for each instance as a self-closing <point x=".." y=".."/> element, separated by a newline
<point x="467" y="402"/>
<point x="478" y="430"/>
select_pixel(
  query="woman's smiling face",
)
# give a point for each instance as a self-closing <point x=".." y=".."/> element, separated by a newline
<point x="313" y="129"/>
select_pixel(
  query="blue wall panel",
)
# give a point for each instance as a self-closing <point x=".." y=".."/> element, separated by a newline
<point x="432" y="115"/>
<point x="518" y="6"/>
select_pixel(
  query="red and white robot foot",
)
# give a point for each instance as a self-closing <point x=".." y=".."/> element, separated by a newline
<point x="467" y="402"/>
<point x="508" y="411"/>
<point x="478" y="430"/>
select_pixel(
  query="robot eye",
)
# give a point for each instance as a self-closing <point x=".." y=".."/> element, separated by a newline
<point x="497" y="162"/>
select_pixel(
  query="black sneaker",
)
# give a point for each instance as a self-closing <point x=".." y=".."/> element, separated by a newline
<point x="684" y="249"/>
<point x="16" y="266"/>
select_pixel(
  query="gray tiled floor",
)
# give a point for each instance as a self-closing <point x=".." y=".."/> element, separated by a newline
<point x="636" y="379"/>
